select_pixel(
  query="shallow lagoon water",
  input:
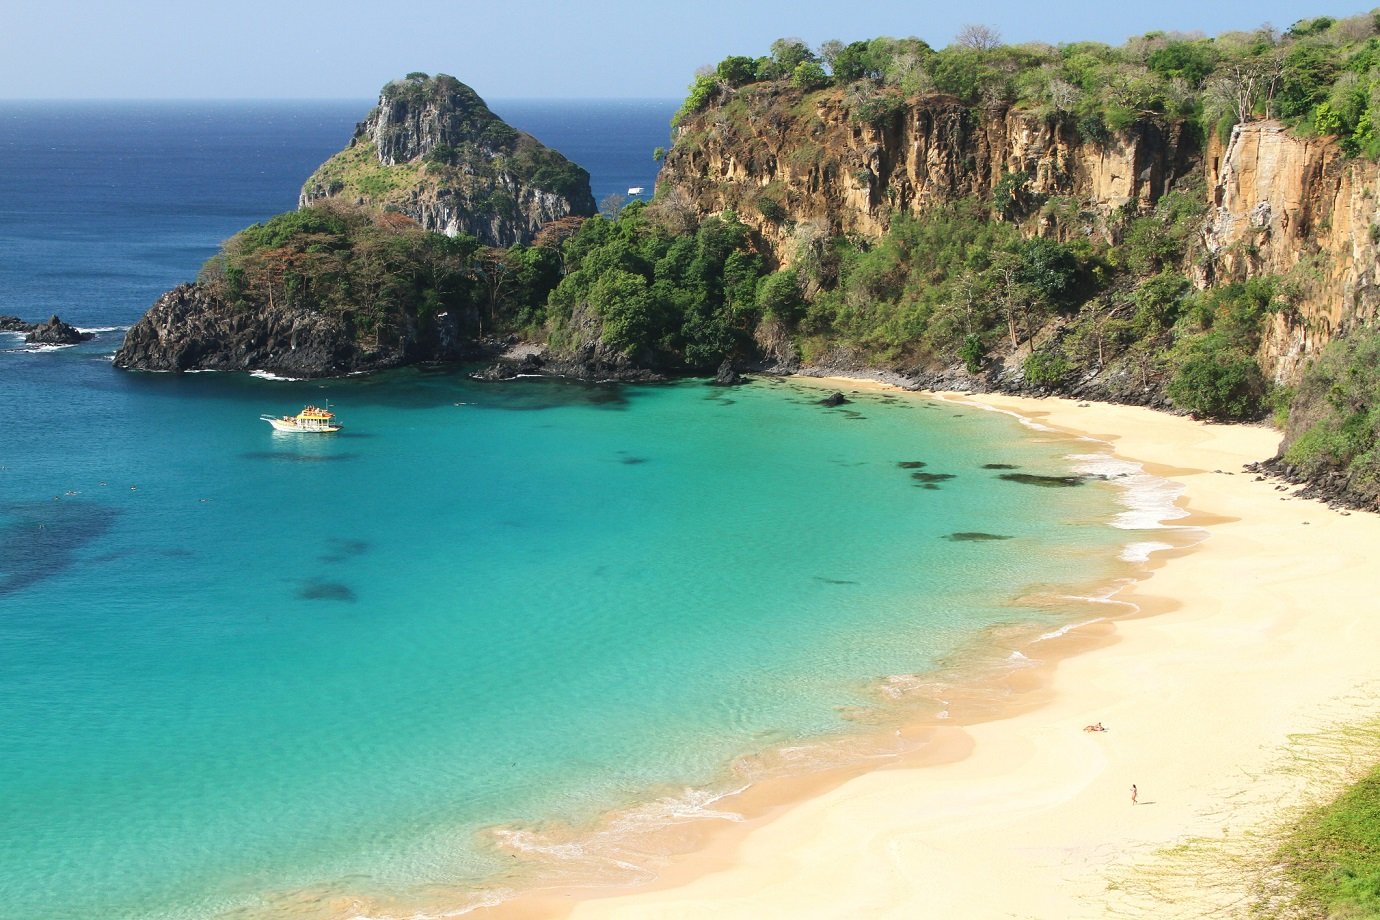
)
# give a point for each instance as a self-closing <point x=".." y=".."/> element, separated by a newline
<point x="247" y="661"/>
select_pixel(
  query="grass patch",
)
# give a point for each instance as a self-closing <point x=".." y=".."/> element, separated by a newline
<point x="357" y="171"/>
<point x="1332" y="856"/>
<point x="1318" y="857"/>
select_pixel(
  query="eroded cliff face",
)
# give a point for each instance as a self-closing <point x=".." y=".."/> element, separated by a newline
<point x="434" y="151"/>
<point x="783" y="162"/>
<point x="796" y="168"/>
<point x="1295" y="206"/>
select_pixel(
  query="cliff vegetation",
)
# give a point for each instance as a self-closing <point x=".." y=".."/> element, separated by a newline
<point x="1332" y="436"/>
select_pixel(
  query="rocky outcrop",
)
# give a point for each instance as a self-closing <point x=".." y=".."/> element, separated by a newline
<point x="189" y="328"/>
<point x="793" y="167"/>
<point x="52" y="332"/>
<point x="1295" y="206"/>
<point x="56" y="332"/>
<point x="434" y="151"/>
<point x="727" y="375"/>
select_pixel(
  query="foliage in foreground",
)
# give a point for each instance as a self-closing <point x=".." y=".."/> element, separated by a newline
<point x="1332" y="857"/>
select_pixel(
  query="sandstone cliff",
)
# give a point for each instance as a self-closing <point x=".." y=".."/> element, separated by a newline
<point x="434" y="151"/>
<point x="1295" y="206"/>
<point x="800" y="167"/>
<point x="783" y="162"/>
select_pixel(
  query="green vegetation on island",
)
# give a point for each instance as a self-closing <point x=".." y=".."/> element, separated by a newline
<point x="378" y="271"/>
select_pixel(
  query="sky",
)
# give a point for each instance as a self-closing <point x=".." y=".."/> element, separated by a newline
<point x="343" y="49"/>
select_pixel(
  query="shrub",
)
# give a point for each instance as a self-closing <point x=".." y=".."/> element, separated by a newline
<point x="1046" y="368"/>
<point x="737" y="70"/>
<point x="702" y="92"/>
<point x="1217" y="381"/>
<point x="972" y="352"/>
<point x="770" y="206"/>
<point x="809" y="76"/>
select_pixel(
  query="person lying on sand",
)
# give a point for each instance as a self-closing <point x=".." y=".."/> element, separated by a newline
<point x="1094" y="728"/>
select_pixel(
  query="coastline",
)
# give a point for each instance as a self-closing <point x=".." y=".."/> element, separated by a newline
<point x="1239" y="643"/>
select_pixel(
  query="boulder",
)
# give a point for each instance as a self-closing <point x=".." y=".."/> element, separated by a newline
<point x="56" y="332"/>
<point x="727" y="376"/>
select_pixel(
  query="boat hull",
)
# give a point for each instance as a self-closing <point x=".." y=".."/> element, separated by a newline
<point x="293" y="426"/>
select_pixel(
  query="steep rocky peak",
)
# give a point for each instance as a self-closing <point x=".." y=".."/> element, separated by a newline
<point x="419" y="114"/>
<point x="431" y="149"/>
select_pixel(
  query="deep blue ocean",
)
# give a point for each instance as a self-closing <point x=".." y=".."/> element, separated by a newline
<point x="413" y="666"/>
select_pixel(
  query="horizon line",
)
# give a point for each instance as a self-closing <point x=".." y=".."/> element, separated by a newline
<point x="4" y="99"/>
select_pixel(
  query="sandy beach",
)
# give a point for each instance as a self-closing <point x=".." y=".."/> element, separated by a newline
<point x="1264" y="630"/>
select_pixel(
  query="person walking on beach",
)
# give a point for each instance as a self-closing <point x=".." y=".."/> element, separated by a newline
<point x="1134" y="793"/>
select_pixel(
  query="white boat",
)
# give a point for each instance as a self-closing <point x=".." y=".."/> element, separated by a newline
<point x="311" y="419"/>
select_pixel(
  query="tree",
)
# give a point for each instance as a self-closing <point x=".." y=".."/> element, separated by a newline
<point x="778" y="295"/>
<point x="622" y="301"/>
<point x="1239" y="87"/>
<point x="496" y="271"/>
<point x="978" y="37"/>
<point x="611" y="204"/>
<point x="808" y="76"/>
<point x="789" y="53"/>
<point x="1012" y="296"/>
<point x="1305" y="79"/>
<point x="1189" y="61"/>
<point x="1215" y="380"/>
<point x="829" y="53"/>
<point x="737" y="70"/>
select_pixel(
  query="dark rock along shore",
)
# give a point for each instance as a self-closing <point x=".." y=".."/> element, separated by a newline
<point x="51" y="332"/>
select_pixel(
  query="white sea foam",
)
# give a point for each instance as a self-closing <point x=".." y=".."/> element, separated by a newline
<point x="609" y="844"/>
<point x="1149" y="500"/>
<point x="1017" y="656"/>
<point x="1142" y="550"/>
<point x="1067" y="628"/>
<point x="95" y="329"/>
<point x="269" y="375"/>
<point x="41" y="349"/>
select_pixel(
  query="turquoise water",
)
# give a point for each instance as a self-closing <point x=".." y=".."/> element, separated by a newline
<point x="240" y="662"/>
<point x="240" y="668"/>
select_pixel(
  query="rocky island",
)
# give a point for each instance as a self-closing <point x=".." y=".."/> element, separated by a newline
<point x="393" y="258"/>
<point x="52" y="332"/>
